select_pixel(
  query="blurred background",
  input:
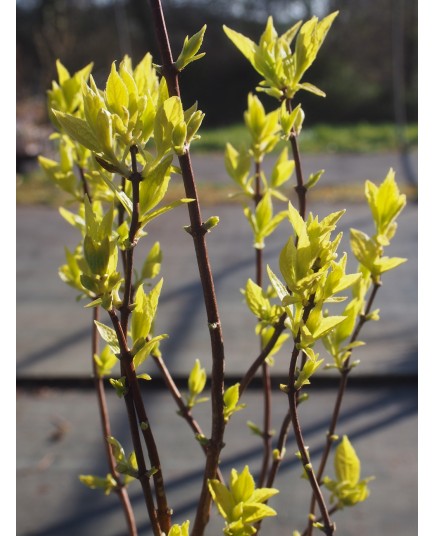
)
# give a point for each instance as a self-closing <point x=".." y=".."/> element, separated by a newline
<point x="367" y="66"/>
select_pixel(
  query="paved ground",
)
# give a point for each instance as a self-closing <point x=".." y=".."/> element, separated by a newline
<point x="381" y="423"/>
<point x="53" y="342"/>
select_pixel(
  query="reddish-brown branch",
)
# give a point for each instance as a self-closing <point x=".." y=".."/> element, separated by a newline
<point x="248" y="377"/>
<point x="266" y="382"/>
<point x="184" y="410"/>
<point x="338" y="403"/>
<point x="106" y="431"/>
<point x="300" y="189"/>
<point x="163" y="512"/>
<point x="197" y="232"/>
<point x="329" y="527"/>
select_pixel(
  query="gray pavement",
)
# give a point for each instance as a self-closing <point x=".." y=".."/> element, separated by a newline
<point x="381" y="423"/>
<point x="58" y="433"/>
<point x="55" y="340"/>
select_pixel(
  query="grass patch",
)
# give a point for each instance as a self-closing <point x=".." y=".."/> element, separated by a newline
<point x="33" y="188"/>
<point x="359" y="138"/>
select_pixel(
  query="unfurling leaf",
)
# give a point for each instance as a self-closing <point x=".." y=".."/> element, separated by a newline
<point x="196" y="384"/>
<point x="347" y="489"/>
<point x="240" y="504"/>
<point x="107" y="484"/>
<point x="109" y="335"/>
<point x="179" y="530"/>
<point x="190" y="49"/>
<point x="230" y="399"/>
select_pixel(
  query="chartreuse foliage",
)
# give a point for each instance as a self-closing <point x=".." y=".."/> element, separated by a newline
<point x="313" y="273"/>
<point x="126" y="466"/>
<point x="129" y="130"/>
<point x="116" y="151"/>
<point x="281" y="67"/>
<point x="312" y="278"/>
<point x="347" y="489"/>
<point x="179" y="530"/>
<point x="241" y="504"/>
<point x="196" y="384"/>
<point x="386" y="202"/>
<point x="189" y="52"/>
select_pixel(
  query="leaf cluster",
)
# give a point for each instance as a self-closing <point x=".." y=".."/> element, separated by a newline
<point x="241" y="504"/>
<point x="386" y="203"/>
<point x="347" y="488"/>
<point x="281" y="67"/>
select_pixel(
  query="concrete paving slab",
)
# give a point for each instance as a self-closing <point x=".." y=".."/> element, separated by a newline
<point x="381" y="423"/>
<point x="53" y="331"/>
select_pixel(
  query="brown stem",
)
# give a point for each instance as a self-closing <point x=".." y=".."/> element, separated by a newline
<point x="338" y="402"/>
<point x="105" y="422"/>
<point x="184" y="410"/>
<point x="281" y="442"/>
<point x="329" y="527"/>
<point x="300" y="188"/>
<point x="84" y="183"/>
<point x="266" y="434"/>
<point x="127" y="366"/>
<point x="164" y="512"/>
<point x="249" y="375"/>
<point x="121" y="217"/>
<point x="197" y="232"/>
<point x="277" y="460"/>
<point x="106" y="431"/>
<point x="309" y="529"/>
<point x="141" y="464"/>
<point x="135" y="179"/>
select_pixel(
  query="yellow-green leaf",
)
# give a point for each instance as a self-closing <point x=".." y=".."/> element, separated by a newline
<point x="347" y="464"/>
<point x="116" y="92"/>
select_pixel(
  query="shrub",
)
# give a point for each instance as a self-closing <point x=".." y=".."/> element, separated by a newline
<point x="117" y="149"/>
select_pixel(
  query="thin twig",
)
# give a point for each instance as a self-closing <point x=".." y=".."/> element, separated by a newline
<point x="163" y="512"/>
<point x="84" y="183"/>
<point x="197" y="232"/>
<point x="184" y="410"/>
<point x="266" y="434"/>
<point x="106" y="431"/>
<point x="254" y="367"/>
<point x="281" y="442"/>
<point x="338" y="403"/>
<point x="329" y="527"/>
<point x="300" y="188"/>
<point x="102" y="406"/>
<point x="127" y="366"/>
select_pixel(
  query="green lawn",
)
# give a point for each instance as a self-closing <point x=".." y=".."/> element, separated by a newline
<point x="34" y="188"/>
<point x="359" y="138"/>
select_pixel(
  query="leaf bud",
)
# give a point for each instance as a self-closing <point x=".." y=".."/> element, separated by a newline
<point x="194" y="124"/>
<point x="203" y="440"/>
<point x="211" y="222"/>
<point x="284" y="388"/>
<point x="278" y="455"/>
<point x="179" y="136"/>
